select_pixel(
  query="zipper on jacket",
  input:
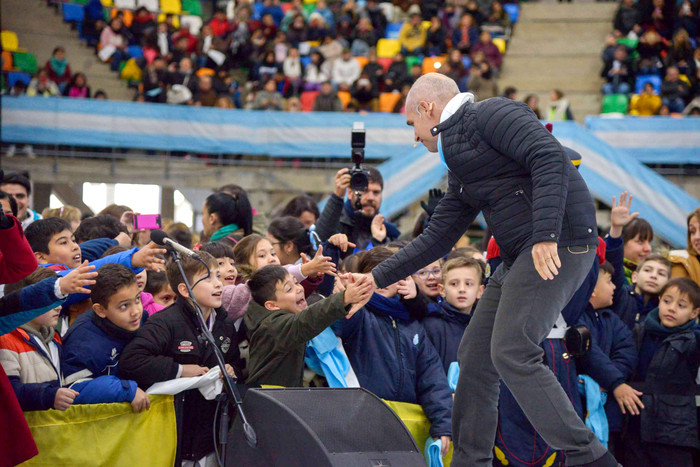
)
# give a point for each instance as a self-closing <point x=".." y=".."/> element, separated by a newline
<point x="398" y="353"/>
<point x="521" y="192"/>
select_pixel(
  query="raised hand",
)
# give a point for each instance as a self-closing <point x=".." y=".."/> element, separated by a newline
<point x="341" y="241"/>
<point x="434" y="197"/>
<point x="342" y="182"/>
<point x="319" y="265"/>
<point x="378" y="228"/>
<point x="620" y="214"/>
<point x="358" y="291"/>
<point x="76" y="280"/>
<point x="147" y="257"/>
<point x="407" y="288"/>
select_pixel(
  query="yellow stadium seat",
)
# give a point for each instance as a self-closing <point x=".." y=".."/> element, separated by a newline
<point x="107" y="3"/>
<point x="500" y="43"/>
<point x="431" y="64"/>
<point x="9" y="40"/>
<point x="388" y="100"/>
<point x="362" y="61"/>
<point x="176" y="20"/>
<point x="171" y="6"/>
<point x="344" y="97"/>
<point x="388" y="48"/>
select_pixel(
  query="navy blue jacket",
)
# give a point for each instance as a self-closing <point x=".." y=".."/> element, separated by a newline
<point x="24" y="305"/>
<point x="445" y="326"/>
<point x="627" y="303"/>
<point x="395" y="360"/>
<point x="611" y="359"/>
<point x="91" y="349"/>
<point x="504" y="163"/>
<point x="94" y="249"/>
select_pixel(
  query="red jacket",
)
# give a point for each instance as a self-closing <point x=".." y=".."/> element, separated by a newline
<point x="17" y="259"/>
<point x="16" y="442"/>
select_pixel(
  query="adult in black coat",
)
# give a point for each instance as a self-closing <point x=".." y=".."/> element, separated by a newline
<point x="504" y="163"/>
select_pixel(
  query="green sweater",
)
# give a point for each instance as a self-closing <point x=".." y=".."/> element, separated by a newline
<point x="278" y="339"/>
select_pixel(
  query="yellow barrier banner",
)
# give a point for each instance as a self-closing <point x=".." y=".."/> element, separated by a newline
<point x="414" y="418"/>
<point x="105" y="434"/>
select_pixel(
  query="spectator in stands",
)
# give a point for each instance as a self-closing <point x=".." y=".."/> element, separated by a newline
<point x="477" y="11"/>
<point x="618" y="73"/>
<point x="344" y="29"/>
<point x="674" y="91"/>
<point x="346" y="70"/>
<point x="181" y="49"/>
<point x="480" y="81"/>
<point x="364" y="38"/>
<point x="155" y="80"/>
<point x="413" y="34"/>
<point x="58" y="69"/>
<point x="296" y="33"/>
<point x="651" y="48"/>
<point x="293" y="71"/>
<point x="268" y="98"/>
<point x="558" y="108"/>
<point x="376" y="16"/>
<point x="327" y="100"/>
<point x="498" y="21"/>
<point x="648" y="103"/>
<point x="374" y="70"/>
<point x="93" y="22"/>
<point x="184" y="74"/>
<point x="397" y="74"/>
<point x="219" y="23"/>
<point x="267" y="68"/>
<point x="435" y="38"/>
<point x="303" y="208"/>
<point x="486" y="45"/>
<point x="364" y="227"/>
<point x="458" y="70"/>
<point x="100" y="94"/>
<point x="78" y="87"/>
<point x="657" y="18"/>
<point x="42" y="85"/>
<point x="532" y="101"/>
<point x="680" y="53"/>
<point x="206" y="95"/>
<point x="143" y="23"/>
<point x="687" y="263"/>
<point x="331" y="49"/>
<point x="685" y="19"/>
<point x="160" y="39"/>
<point x="318" y="29"/>
<point x="466" y="34"/>
<point x="208" y="41"/>
<point x="627" y="19"/>
<point x="364" y="95"/>
<point x="18" y="186"/>
<point x="112" y="39"/>
<point x="323" y="10"/>
<point x="316" y="72"/>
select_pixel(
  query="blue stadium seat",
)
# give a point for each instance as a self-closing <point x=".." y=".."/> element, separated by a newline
<point x="467" y="62"/>
<point x="135" y="51"/>
<point x="73" y="12"/>
<point x="257" y="11"/>
<point x="305" y="60"/>
<point x="392" y="30"/>
<point x="655" y="81"/>
<point x="513" y="10"/>
<point x="15" y="76"/>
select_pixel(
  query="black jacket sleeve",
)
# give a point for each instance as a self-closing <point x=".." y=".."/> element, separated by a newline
<point x="512" y="129"/>
<point x="328" y="223"/>
<point x="450" y="220"/>
<point x="144" y="359"/>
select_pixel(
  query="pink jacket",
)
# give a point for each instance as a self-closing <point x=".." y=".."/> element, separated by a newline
<point x="149" y="304"/>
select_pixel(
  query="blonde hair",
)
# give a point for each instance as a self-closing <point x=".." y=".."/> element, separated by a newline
<point x="693" y="215"/>
<point x="67" y="212"/>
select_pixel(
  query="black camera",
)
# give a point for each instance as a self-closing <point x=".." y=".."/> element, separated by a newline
<point x="359" y="177"/>
<point x="578" y="341"/>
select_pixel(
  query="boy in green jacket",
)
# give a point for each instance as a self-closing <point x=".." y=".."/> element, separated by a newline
<point x="280" y="324"/>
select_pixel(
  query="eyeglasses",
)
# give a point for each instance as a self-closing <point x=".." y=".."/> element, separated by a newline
<point x="424" y="274"/>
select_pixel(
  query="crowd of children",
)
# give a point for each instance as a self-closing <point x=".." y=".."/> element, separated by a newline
<point x="274" y="294"/>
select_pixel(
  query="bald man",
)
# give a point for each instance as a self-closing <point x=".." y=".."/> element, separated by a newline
<point x="504" y="163"/>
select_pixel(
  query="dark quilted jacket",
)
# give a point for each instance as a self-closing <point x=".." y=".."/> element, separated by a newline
<point x="501" y="161"/>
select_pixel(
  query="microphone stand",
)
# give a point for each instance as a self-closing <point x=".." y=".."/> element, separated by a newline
<point x="231" y="392"/>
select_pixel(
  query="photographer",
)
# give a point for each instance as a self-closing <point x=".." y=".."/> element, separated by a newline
<point x="364" y="227"/>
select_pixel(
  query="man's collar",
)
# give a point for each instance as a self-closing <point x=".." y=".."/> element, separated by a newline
<point x="455" y="103"/>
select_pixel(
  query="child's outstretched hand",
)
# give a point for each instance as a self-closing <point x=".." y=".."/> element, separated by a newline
<point x="76" y="280"/>
<point x="378" y="228"/>
<point x="64" y="398"/>
<point x="341" y="241"/>
<point x="628" y="398"/>
<point x="407" y="288"/>
<point x="146" y="257"/>
<point x="620" y="214"/>
<point x="319" y="265"/>
<point x="358" y="291"/>
<point x="141" y="401"/>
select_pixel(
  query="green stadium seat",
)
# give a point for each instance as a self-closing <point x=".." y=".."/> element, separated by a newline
<point x="629" y="43"/>
<point x="615" y="103"/>
<point x="25" y="62"/>
<point x="413" y="60"/>
<point x="192" y="7"/>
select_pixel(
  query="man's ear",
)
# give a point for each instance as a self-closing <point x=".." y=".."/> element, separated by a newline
<point x="441" y="290"/>
<point x="182" y="289"/>
<point x="40" y="257"/>
<point x="272" y="306"/>
<point x="99" y="310"/>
